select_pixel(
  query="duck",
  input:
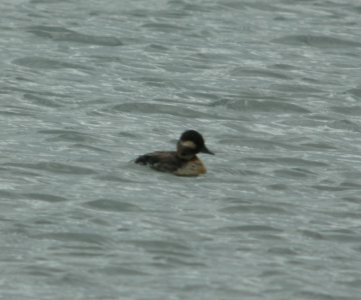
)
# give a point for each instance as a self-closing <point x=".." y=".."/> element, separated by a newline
<point x="182" y="162"/>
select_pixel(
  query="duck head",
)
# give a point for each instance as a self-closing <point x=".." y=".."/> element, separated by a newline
<point x="190" y="143"/>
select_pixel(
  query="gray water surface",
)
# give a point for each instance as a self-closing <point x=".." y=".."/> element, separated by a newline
<point x="274" y="86"/>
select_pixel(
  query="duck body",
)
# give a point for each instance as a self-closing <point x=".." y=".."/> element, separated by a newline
<point x="168" y="161"/>
<point x="184" y="161"/>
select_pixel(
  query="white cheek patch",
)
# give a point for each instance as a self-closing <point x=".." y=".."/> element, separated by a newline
<point x="188" y="144"/>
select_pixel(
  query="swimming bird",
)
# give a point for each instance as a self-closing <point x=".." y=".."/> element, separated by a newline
<point x="184" y="161"/>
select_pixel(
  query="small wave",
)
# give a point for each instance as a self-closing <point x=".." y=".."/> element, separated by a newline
<point x="345" y="124"/>
<point x="149" y="108"/>
<point x="293" y="173"/>
<point x="67" y="135"/>
<point x="42" y="101"/>
<point x="261" y="106"/>
<point x="347" y="110"/>
<point x="249" y="228"/>
<point x="45" y="63"/>
<point x="63" y="34"/>
<point x="44" y="197"/>
<point x="355" y="92"/>
<point x="53" y="168"/>
<point x="316" y="41"/>
<point x="258" y="73"/>
<point x="164" y="27"/>
<point x="258" y="209"/>
<point x="112" y="205"/>
<point x="87" y="238"/>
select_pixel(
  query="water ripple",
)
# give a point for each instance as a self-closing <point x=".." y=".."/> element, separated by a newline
<point x="81" y="238"/>
<point x="46" y="63"/>
<point x="63" y="34"/>
<point x="164" y="27"/>
<point x="112" y="205"/>
<point x="258" y="209"/>
<point x="68" y="135"/>
<point x="324" y="42"/>
<point x="41" y="101"/>
<point x="44" y="197"/>
<point x="248" y="228"/>
<point x="261" y="106"/>
<point x="258" y="73"/>
<point x="53" y="167"/>
<point x="148" y="108"/>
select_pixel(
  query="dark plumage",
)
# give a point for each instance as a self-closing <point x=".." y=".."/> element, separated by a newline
<point x="184" y="161"/>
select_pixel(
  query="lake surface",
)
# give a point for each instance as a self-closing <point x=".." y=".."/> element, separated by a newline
<point x="274" y="87"/>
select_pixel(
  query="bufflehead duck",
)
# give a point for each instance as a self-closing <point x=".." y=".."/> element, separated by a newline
<point x="184" y="161"/>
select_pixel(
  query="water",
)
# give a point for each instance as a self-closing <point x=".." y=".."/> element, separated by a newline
<point x="274" y="86"/>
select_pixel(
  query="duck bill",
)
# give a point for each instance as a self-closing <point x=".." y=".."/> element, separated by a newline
<point x="206" y="150"/>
